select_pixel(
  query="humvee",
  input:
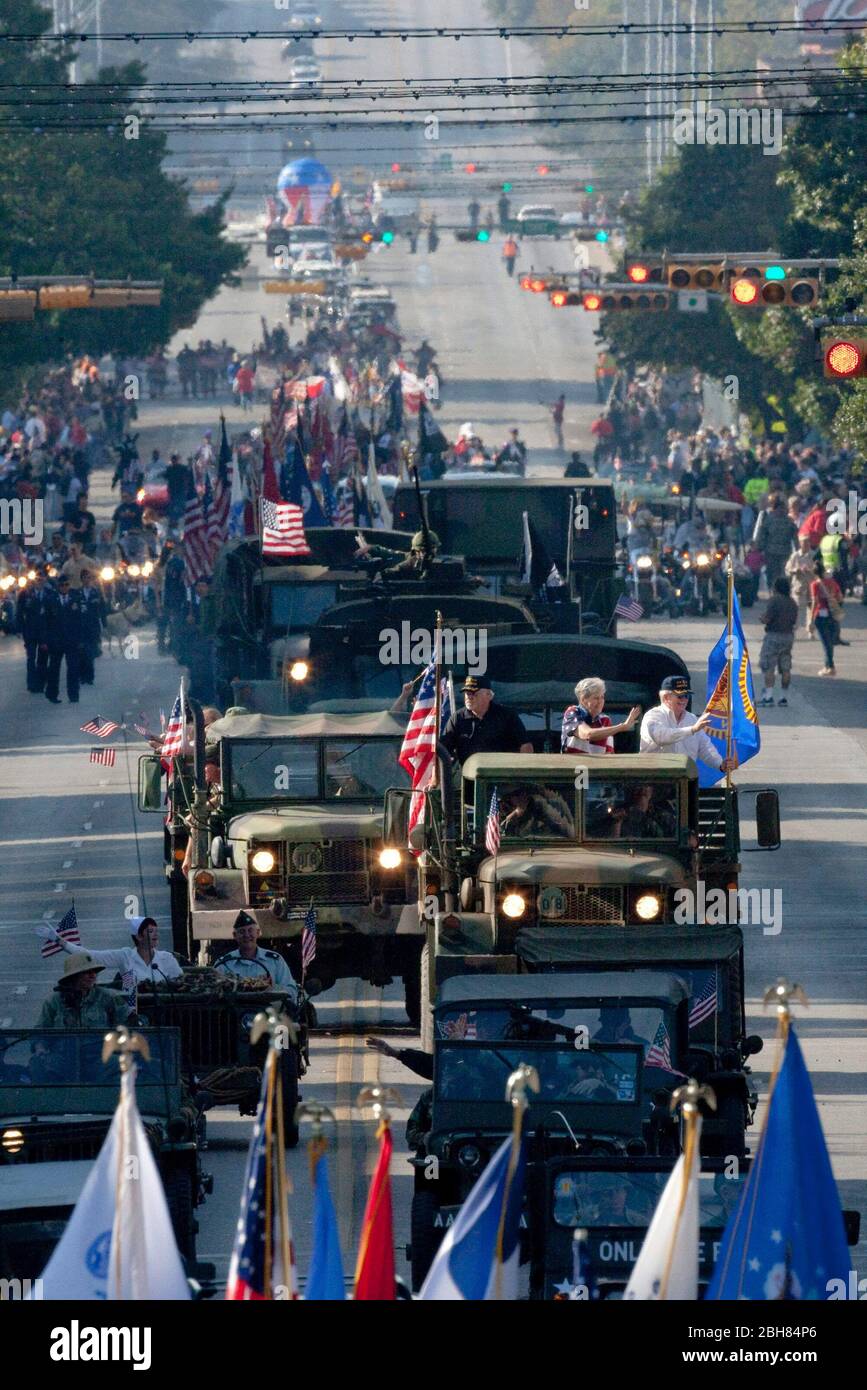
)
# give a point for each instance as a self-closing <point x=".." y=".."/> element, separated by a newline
<point x="57" y="1100"/>
<point x="295" y="820"/>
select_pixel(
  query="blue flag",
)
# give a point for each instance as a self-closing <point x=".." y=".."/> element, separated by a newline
<point x="746" y="740"/>
<point x="329" y="502"/>
<point x="296" y="486"/>
<point x="466" y="1264"/>
<point x="325" y="1281"/>
<point x="785" y="1238"/>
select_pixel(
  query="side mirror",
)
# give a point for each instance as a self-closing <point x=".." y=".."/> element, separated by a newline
<point x="768" y="819"/>
<point x="395" y="829"/>
<point x="751" y="1045"/>
<point x="218" y="852"/>
<point x="150" y="782"/>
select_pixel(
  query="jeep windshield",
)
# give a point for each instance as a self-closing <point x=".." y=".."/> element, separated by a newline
<point x="67" y="1069"/>
<point x="612" y="1022"/>
<point x="628" y="810"/>
<point x="478" y="1072"/>
<point x="288" y="770"/>
<point x="605" y="1198"/>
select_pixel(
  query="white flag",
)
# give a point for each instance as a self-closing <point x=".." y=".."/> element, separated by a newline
<point x="671" y="1243"/>
<point x="119" y="1243"/>
<point x="380" y="511"/>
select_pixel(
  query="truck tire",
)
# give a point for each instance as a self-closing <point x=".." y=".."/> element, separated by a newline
<point x="424" y="1237"/>
<point x="425" y="1009"/>
<point x="178" y="1186"/>
<point x="412" y="996"/>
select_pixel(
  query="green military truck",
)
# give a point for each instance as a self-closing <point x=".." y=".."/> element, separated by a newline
<point x="293" y="817"/>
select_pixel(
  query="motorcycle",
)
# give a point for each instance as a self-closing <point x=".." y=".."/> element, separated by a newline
<point x="701" y="580"/>
<point x="652" y="587"/>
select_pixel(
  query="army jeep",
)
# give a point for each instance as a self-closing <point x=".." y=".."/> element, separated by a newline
<point x="57" y="1100"/>
<point x="294" y="819"/>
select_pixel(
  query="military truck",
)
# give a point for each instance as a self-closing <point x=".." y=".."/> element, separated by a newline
<point x="57" y="1100"/>
<point x="573" y="520"/>
<point x="293" y="819"/>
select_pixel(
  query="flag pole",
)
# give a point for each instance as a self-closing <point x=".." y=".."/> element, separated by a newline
<point x="438" y="657"/>
<point x="687" y="1097"/>
<point x="125" y="1043"/>
<point x="522" y="1079"/>
<point x="731" y="663"/>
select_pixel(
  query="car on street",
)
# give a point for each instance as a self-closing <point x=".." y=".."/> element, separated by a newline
<point x="305" y="17"/>
<point x="538" y="219"/>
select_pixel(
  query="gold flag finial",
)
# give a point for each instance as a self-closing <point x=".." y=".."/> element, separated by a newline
<point x="315" y="1112"/>
<point x="689" y="1096"/>
<point x="783" y="995"/>
<point x="126" y="1043"/>
<point x="279" y="1028"/>
<point x="375" y="1097"/>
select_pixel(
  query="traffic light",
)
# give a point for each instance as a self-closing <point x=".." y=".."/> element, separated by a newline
<point x="601" y="235"/>
<point x="845" y="358"/>
<point x="759" y="286"/>
<point x="483" y="234"/>
<point x="507" y="188"/>
<point x="387" y="238"/>
<point x="613" y="298"/>
<point x="588" y="188"/>
<point x="694" y="275"/>
<point x="645" y="273"/>
<point x="562" y="298"/>
<point x="536" y="284"/>
<point x="395" y="168"/>
<point x="543" y="169"/>
<point x="471" y="168"/>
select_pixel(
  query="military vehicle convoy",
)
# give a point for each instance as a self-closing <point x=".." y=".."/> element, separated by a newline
<point x="294" y="818"/>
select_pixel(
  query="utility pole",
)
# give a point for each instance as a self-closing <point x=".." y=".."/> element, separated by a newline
<point x="710" y="18"/>
<point x="648" y="132"/>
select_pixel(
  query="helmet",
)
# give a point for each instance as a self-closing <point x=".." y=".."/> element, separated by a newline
<point x="418" y="542"/>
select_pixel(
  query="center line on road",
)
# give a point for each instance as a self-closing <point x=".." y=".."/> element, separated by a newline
<point x="76" y="844"/>
<point x="67" y="863"/>
<point x="59" y="887"/>
<point x="88" y="825"/>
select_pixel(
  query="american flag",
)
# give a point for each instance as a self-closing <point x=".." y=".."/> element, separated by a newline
<point x="492" y="826"/>
<point x="344" y="508"/>
<point x="628" y="608"/>
<point x="142" y="729"/>
<point x="197" y="546"/>
<point x="283" y="529"/>
<point x="173" y="742"/>
<point x="704" y="1004"/>
<point x="419" y="742"/>
<point x="103" y="728"/>
<point x="129" y="988"/>
<point x="308" y="939"/>
<point x="67" y="930"/>
<point x="347" y="455"/>
<point x="106" y="757"/>
<point x="659" y="1052"/>
<point x="249" y="1280"/>
<point x="218" y="512"/>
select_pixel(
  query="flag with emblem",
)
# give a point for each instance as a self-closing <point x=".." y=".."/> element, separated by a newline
<point x="283" y="529"/>
<point x="298" y="487"/>
<point x="492" y="825"/>
<point x="730" y="687"/>
<point x="263" y="1259"/>
<point x="786" y="1237"/>
<point x="66" y="930"/>
<point x="103" y="728"/>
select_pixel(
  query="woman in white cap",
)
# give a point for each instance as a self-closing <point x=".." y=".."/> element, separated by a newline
<point x="142" y="957"/>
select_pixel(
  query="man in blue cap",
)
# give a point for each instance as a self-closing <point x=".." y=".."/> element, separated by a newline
<point x="483" y="726"/>
<point x="670" y="728"/>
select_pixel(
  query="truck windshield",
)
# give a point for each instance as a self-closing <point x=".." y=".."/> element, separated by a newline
<point x="296" y="607"/>
<point x="366" y="769"/>
<point x="475" y="1072"/>
<point x="267" y="770"/>
<point x="535" y="811"/>
<point x="630" y="810"/>
<point x="594" y="1199"/>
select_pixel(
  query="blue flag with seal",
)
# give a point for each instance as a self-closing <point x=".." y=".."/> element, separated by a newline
<point x="296" y="486"/>
<point x="325" y="1281"/>
<point x="786" y="1238"/>
<point x="746" y="740"/>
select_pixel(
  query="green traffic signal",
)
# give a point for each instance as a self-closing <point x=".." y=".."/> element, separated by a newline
<point x="601" y="236"/>
<point x="588" y="188"/>
<point x="507" y="188"/>
<point x="388" y="238"/>
<point x="483" y="235"/>
<point x="775" y="272"/>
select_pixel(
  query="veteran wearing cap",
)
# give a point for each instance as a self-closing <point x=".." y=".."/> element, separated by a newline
<point x="78" y="1001"/>
<point x="670" y="728"/>
<point x="251" y="960"/>
<point x="483" y="726"/>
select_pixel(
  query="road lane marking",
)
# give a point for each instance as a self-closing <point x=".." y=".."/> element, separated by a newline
<point x="88" y="825"/>
<point x="60" y="887"/>
<point x="67" y="863"/>
<point x="76" y="844"/>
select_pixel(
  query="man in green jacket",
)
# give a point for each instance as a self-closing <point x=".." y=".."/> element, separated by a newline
<point x="77" y="1001"/>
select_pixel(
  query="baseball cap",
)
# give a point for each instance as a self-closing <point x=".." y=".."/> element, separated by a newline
<point x="476" y="683"/>
<point x="679" y="685"/>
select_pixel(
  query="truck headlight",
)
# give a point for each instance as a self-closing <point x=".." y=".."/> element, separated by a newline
<point x="702" y="560"/>
<point x="13" y="1141"/>
<point x="648" y="906"/>
<point x="263" y="861"/>
<point x="107" y="573"/>
<point x="390" y="858"/>
<point x="514" y="905"/>
<point x="299" y="671"/>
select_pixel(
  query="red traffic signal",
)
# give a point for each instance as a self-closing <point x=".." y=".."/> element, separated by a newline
<point x="592" y="302"/>
<point x="744" y="291"/>
<point x="638" y="274"/>
<point x="845" y="358"/>
<point x="395" y="168"/>
<point x="559" y="298"/>
<point x="470" y="168"/>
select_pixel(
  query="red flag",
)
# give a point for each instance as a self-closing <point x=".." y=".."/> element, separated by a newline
<point x="374" y="1273"/>
<point x="270" y="486"/>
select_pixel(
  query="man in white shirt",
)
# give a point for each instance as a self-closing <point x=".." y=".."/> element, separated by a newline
<point x="670" y="728"/>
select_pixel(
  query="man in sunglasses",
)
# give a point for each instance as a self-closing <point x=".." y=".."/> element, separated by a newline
<point x="670" y="728"/>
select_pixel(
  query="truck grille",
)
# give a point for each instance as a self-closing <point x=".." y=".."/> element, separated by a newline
<point x="342" y="877"/>
<point x="590" y="907"/>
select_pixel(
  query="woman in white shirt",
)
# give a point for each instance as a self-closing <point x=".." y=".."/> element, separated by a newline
<point x="142" y="958"/>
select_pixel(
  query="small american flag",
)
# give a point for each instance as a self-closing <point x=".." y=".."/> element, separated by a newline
<point x="197" y="545"/>
<point x="106" y="757"/>
<point x="417" y="753"/>
<point x="492" y="826"/>
<point x="283" y="529"/>
<point x="308" y="939"/>
<point x="344" y="505"/>
<point x="142" y="729"/>
<point x="173" y="743"/>
<point x="659" y="1052"/>
<point x="628" y="608"/>
<point x="67" y="930"/>
<point x="704" y="1004"/>
<point x="103" y="728"/>
<point x="130" y="990"/>
<point x="250" y="1277"/>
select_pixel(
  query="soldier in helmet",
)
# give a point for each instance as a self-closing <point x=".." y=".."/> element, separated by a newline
<point x="415" y="565"/>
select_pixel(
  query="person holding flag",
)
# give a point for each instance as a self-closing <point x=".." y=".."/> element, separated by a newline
<point x="418" y="751"/>
<point x="731" y="698"/>
<point x="669" y="727"/>
<point x="483" y="726"/>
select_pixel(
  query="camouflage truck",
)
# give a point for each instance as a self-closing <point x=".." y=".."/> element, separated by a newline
<point x="615" y="842"/>
<point x="294" y="817"/>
